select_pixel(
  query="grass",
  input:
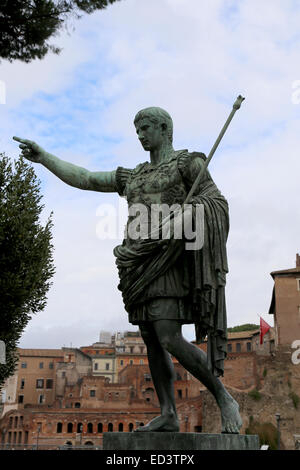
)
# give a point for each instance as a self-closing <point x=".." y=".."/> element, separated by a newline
<point x="266" y="432"/>
<point x="255" y="394"/>
<point x="295" y="399"/>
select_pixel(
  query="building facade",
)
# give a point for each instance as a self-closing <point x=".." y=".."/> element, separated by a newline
<point x="80" y="401"/>
<point x="285" y="305"/>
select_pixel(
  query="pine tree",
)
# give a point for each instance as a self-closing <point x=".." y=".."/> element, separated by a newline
<point x="26" y="26"/>
<point x="26" y="263"/>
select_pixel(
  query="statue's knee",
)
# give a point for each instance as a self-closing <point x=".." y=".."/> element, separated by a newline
<point x="166" y="342"/>
<point x="147" y="334"/>
<point x="170" y="342"/>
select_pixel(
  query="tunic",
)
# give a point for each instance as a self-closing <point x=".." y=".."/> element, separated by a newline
<point x="160" y="281"/>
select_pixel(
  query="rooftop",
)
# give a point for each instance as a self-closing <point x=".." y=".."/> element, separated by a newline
<point x="289" y="271"/>
<point x="41" y="352"/>
<point x="242" y="334"/>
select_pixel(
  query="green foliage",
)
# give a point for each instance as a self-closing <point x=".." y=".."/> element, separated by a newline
<point x="26" y="263"/>
<point x="255" y="394"/>
<point x="266" y="432"/>
<point x="245" y="327"/>
<point x="295" y="399"/>
<point x="26" y="26"/>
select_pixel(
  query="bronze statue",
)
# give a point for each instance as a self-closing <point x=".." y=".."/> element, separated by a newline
<point x="164" y="285"/>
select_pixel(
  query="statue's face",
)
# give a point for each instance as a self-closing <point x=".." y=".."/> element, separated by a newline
<point x="150" y="135"/>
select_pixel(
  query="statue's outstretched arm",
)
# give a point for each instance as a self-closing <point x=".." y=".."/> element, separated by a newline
<point x="71" y="174"/>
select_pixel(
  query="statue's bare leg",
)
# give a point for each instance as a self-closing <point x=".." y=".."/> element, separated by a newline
<point x="162" y="372"/>
<point x="195" y="361"/>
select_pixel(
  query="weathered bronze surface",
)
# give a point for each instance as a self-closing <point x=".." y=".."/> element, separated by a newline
<point x="163" y="284"/>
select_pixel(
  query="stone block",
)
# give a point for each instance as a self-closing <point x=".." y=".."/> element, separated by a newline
<point x="178" y="441"/>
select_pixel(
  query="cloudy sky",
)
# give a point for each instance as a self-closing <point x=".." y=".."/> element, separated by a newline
<point x="193" y="59"/>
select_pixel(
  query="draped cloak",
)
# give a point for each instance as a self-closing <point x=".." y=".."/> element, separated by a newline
<point x="147" y="266"/>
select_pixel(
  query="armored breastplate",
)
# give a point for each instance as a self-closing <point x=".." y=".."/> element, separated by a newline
<point x="161" y="184"/>
<point x="153" y="190"/>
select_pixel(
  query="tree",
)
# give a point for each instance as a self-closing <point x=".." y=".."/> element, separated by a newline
<point x="26" y="26"/>
<point x="245" y="327"/>
<point x="26" y="263"/>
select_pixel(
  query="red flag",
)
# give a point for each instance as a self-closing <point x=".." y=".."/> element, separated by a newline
<point x="264" y="328"/>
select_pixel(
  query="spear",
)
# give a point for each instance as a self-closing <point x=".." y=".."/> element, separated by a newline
<point x="166" y="220"/>
<point x="236" y="106"/>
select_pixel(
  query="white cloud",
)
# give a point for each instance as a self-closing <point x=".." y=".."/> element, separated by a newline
<point x="193" y="59"/>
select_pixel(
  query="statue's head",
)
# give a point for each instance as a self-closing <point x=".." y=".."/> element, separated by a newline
<point x="159" y="117"/>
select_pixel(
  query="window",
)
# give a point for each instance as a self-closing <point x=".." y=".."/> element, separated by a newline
<point x="298" y="284"/>
<point x="51" y="365"/>
<point x="41" y="365"/>
<point x="131" y="362"/>
<point x="120" y="427"/>
<point x="59" y="428"/>
<point x="49" y="383"/>
<point x="142" y="349"/>
<point x="100" y="427"/>
<point x="121" y="362"/>
<point x="110" y="427"/>
<point x="130" y="427"/>
<point x="90" y="428"/>
<point x="238" y="347"/>
<point x="22" y="384"/>
<point x="92" y="393"/>
<point x="79" y="427"/>
<point x="179" y="393"/>
<point x="16" y="421"/>
<point x="107" y="366"/>
<point x="229" y="347"/>
<point x="77" y="405"/>
<point x="41" y="399"/>
<point x="63" y="374"/>
<point x="131" y="349"/>
<point x="21" y="399"/>
<point x="24" y="365"/>
<point x="141" y="361"/>
<point x="95" y="366"/>
<point x="70" y="427"/>
<point x="249" y="347"/>
<point x="40" y="383"/>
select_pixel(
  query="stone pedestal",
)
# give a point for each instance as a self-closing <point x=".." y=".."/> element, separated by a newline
<point x="178" y="441"/>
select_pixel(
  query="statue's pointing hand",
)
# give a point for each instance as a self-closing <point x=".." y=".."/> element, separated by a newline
<point x="30" y="150"/>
